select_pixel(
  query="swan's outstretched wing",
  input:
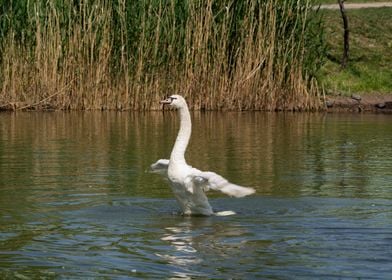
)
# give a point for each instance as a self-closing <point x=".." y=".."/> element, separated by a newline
<point x="213" y="181"/>
<point x="160" y="166"/>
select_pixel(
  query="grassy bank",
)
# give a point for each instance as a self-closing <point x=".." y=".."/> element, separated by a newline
<point x="369" y="69"/>
<point x="128" y="54"/>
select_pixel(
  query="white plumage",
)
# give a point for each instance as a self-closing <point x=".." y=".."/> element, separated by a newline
<point x="190" y="184"/>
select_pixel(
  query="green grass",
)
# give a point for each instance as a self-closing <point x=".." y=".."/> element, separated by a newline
<point x="369" y="69"/>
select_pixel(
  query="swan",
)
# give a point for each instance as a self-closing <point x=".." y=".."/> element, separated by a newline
<point x="187" y="183"/>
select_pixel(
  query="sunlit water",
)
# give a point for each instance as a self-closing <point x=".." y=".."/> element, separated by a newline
<point x="76" y="200"/>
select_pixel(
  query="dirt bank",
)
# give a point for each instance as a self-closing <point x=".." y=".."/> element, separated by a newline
<point x="359" y="103"/>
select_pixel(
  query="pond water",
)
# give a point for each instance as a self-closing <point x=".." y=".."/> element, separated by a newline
<point x="76" y="200"/>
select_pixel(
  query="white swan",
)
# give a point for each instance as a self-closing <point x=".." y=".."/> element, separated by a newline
<point x="189" y="184"/>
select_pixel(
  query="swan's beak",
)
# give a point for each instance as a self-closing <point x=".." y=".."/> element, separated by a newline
<point x="166" y="101"/>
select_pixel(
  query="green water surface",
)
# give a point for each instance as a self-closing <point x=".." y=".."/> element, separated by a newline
<point x="76" y="200"/>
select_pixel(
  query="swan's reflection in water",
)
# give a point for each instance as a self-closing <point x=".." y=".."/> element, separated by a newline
<point x="195" y="239"/>
<point x="182" y="241"/>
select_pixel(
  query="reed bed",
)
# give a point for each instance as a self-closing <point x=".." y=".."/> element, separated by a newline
<point x="126" y="55"/>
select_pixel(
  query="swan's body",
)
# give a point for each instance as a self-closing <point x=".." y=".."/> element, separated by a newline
<point x="189" y="184"/>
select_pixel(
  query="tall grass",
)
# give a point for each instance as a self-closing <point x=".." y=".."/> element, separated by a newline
<point x="232" y="55"/>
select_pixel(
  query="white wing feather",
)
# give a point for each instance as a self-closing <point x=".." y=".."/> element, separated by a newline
<point x="160" y="166"/>
<point x="211" y="180"/>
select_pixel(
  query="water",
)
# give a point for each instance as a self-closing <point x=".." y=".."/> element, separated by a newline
<point x="76" y="200"/>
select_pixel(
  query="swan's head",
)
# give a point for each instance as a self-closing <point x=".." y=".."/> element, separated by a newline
<point x="175" y="101"/>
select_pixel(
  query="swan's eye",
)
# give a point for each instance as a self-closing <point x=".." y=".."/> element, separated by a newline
<point x="172" y="98"/>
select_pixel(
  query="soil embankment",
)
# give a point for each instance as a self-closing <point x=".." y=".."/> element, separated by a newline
<point x="359" y="103"/>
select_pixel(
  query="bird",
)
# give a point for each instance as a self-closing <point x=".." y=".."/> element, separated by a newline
<point x="189" y="184"/>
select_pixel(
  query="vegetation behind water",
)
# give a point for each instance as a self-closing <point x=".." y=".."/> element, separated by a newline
<point x="369" y="66"/>
<point x="128" y="54"/>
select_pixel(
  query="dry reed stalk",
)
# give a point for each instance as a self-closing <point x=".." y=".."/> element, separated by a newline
<point x="234" y="55"/>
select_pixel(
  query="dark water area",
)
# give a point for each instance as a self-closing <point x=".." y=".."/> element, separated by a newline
<point x="77" y="200"/>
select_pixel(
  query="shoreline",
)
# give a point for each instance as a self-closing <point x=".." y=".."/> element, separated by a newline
<point x="376" y="103"/>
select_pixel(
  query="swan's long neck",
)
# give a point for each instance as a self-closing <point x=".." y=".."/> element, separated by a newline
<point x="182" y="140"/>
